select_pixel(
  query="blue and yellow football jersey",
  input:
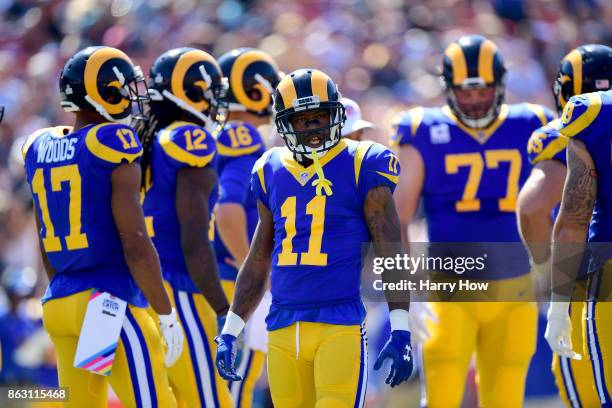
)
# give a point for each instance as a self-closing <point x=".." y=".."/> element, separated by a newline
<point x="587" y="118"/>
<point x="70" y="177"/>
<point x="239" y="146"/>
<point x="472" y="177"/>
<point x="179" y="145"/>
<point x="316" y="261"/>
<point x="547" y="143"/>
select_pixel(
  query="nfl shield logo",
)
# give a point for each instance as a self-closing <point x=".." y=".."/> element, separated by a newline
<point x="304" y="176"/>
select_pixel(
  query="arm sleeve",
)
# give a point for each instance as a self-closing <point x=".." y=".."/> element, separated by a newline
<point x="380" y="167"/>
<point x="187" y="145"/>
<point x="578" y="116"/>
<point x="546" y="143"/>
<point x="259" y="180"/>
<point x="113" y="144"/>
<point x="234" y="180"/>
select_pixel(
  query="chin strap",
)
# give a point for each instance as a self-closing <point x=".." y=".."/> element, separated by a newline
<point x="321" y="183"/>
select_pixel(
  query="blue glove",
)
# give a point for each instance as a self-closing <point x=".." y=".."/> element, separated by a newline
<point x="399" y="351"/>
<point x="239" y="343"/>
<point x="226" y="357"/>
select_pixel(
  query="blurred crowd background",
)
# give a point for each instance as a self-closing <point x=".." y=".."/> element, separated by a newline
<point x="384" y="54"/>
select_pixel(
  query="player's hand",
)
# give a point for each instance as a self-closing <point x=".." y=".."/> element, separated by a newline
<point x="173" y="336"/>
<point x="399" y="351"/>
<point x="240" y="340"/>
<point x="559" y="330"/>
<point x="420" y="312"/>
<point x="226" y="357"/>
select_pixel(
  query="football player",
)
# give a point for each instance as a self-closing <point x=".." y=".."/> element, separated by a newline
<point x="187" y="91"/>
<point x="85" y="182"/>
<point x="319" y="198"/>
<point x="467" y="160"/>
<point x="585" y="209"/>
<point x="252" y="76"/>
<point x="584" y="69"/>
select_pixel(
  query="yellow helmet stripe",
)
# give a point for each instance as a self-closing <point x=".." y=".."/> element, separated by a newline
<point x="485" y="60"/>
<point x="186" y="61"/>
<point x="318" y="82"/>
<point x="455" y="53"/>
<point x="237" y="76"/>
<point x="92" y="68"/>
<point x="286" y="88"/>
<point x="575" y="59"/>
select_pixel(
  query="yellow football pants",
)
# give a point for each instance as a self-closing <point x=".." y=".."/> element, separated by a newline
<point x="503" y="336"/>
<point x="194" y="377"/>
<point x="574" y="378"/>
<point x="317" y="365"/>
<point x="598" y="332"/>
<point x="250" y="368"/>
<point x="138" y="376"/>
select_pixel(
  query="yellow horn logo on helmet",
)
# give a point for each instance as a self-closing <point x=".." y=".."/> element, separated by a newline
<point x="92" y="68"/>
<point x="237" y="77"/>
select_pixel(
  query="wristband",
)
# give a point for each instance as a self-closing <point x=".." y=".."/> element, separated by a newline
<point x="233" y="324"/>
<point x="399" y="319"/>
<point x="558" y="308"/>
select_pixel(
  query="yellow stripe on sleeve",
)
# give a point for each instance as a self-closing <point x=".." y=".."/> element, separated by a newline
<point x="178" y="153"/>
<point x="391" y="177"/>
<point x="237" y="151"/>
<point x="360" y="152"/>
<point x="104" y="152"/>
<point x="539" y="112"/>
<point x="585" y="119"/>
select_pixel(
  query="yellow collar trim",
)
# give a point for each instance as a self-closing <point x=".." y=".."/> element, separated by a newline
<point x="480" y="135"/>
<point x="303" y="174"/>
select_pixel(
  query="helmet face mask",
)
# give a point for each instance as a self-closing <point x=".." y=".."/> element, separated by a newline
<point x="302" y="138"/>
<point x="474" y="79"/>
<point x="309" y="114"/>
<point x="476" y="106"/>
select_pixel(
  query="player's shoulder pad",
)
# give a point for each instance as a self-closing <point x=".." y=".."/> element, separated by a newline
<point x="579" y="113"/>
<point x="532" y="111"/>
<point x="188" y="143"/>
<point x="406" y="125"/>
<point x="239" y="139"/>
<point x="29" y="141"/>
<point x="114" y="143"/>
<point x="374" y="157"/>
<point x="546" y="142"/>
<point x="260" y="166"/>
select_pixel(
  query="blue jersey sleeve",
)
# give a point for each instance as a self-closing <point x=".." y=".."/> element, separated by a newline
<point x="578" y="115"/>
<point x="539" y="113"/>
<point x="377" y="166"/>
<point x="406" y="126"/>
<point x="547" y="143"/>
<point x="239" y="139"/>
<point x="259" y="181"/>
<point x="234" y="180"/>
<point x="113" y="144"/>
<point x="187" y="145"/>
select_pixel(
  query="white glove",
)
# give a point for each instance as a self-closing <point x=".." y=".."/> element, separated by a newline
<point x="559" y="330"/>
<point x="173" y="336"/>
<point x="419" y="313"/>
